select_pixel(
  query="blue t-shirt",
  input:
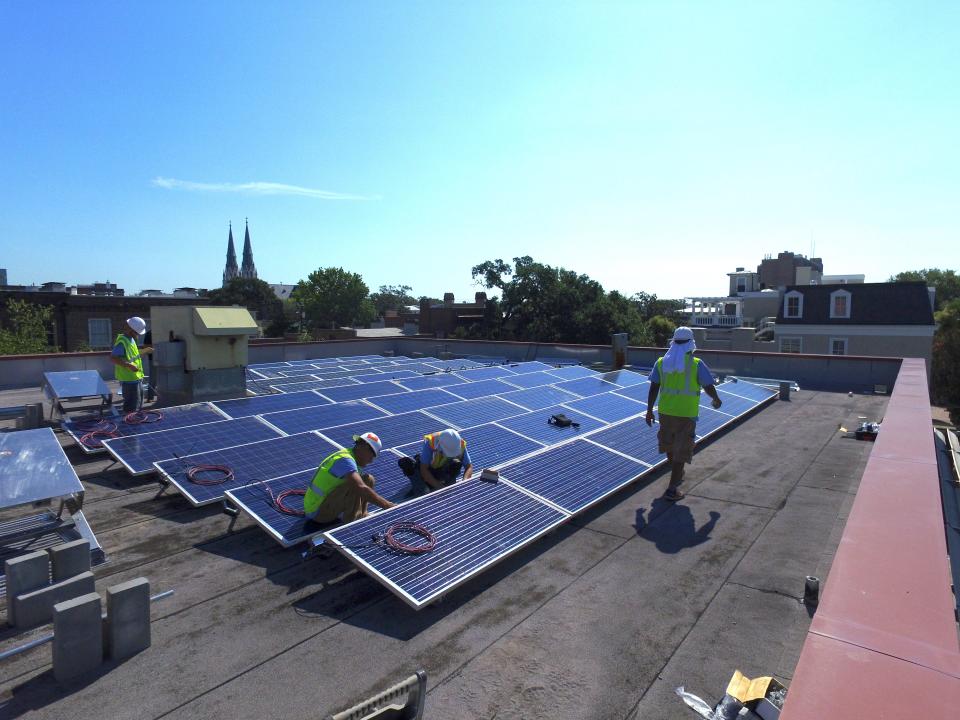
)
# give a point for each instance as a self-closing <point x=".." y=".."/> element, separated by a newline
<point x="343" y="467"/>
<point x="704" y="376"/>
<point x="426" y="455"/>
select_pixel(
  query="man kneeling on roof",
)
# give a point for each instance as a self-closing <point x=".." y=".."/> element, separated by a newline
<point x="339" y="489"/>
<point x="442" y="456"/>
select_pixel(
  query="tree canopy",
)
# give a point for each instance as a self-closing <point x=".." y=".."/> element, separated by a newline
<point x="392" y="297"/>
<point x="334" y="296"/>
<point x="946" y="282"/>
<point x="257" y="296"/>
<point x="945" y="368"/>
<point x="26" y="330"/>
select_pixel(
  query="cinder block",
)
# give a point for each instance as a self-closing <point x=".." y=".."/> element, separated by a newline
<point x="35" y="608"/>
<point x="77" y="637"/>
<point x="25" y="574"/>
<point x="69" y="559"/>
<point x="128" y="618"/>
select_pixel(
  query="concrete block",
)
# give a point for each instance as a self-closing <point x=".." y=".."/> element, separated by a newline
<point x="36" y="607"/>
<point x="128" y="618"/>
<point x="77" y="637"/>
<point x="25" y="574"/>
<point x="69" y="559"/>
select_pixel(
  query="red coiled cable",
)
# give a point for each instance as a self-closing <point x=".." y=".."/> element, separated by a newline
<point x="278" y="501"/>
<point x="391" y="541"/>
<point x="95" y="432"/>
<point x="139" y="417"/>
<point x="193" y="474"/>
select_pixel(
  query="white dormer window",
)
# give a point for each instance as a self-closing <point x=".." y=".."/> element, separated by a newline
<point x="840" y="304"/>
<point x="793" y="304"/>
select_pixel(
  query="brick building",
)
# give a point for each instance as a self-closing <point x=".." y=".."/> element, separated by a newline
<point x="442" y="319"/>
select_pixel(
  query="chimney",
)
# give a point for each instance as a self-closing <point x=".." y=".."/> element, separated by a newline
<point x="480" y="298"/>
<point x="447" y="299"/>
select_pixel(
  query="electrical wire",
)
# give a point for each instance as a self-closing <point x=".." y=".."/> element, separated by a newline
<point x="140" y="417"/>
<point x="95" y="432"/>
<point x="278" y="501"/>
<point x="391" y="540"/>
<point x="193" y="474"/>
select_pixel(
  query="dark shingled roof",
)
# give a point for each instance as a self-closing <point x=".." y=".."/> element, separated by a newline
<point x="902" y="303"/>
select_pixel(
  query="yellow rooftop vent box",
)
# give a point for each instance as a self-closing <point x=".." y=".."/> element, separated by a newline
<point x="213" y="337"/>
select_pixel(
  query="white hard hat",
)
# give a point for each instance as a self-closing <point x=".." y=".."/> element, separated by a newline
<point x="683" y="334"/>
<point x="137" y="324"/>
<point x="449" y="442"/>
<point x="370" y="439"/>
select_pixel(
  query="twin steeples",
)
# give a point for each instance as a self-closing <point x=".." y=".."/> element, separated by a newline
<point x="247" y="269"/>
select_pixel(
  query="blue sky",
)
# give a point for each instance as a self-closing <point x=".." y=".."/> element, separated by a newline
<point x="652" y="146"/>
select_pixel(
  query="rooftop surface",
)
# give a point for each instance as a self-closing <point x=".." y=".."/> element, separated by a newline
<point x="603" y="618"/>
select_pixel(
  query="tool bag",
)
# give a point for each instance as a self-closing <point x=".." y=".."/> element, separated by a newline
<point x="561" y="420"/>
<point x="446" y="474"/>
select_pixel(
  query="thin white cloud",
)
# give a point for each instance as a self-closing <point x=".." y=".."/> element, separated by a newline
<point x="253" y="188"/>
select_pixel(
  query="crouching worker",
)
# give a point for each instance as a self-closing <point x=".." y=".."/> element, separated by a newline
<point x="442" y="456"/>
<point x="339" y="489"/>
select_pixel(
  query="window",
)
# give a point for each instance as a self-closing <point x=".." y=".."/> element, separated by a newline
<point x="98" y="330"/>
<point x="791" y="344"/>
<point x="793" y="304"/>
<point x="838" y="346"/>
<point x="741" y="285"/>
<point x="840" y="304"/>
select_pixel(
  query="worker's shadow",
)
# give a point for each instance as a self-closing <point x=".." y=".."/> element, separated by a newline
<point x="671" y="527"/>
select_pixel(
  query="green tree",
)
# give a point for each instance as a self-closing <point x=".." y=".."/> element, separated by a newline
<point x="661" y="330"/>
<point x="946" y="282"/>
<point x="945" y="368"/>
<point x="392" y="297"/>
<point x="257" y="296"/>
<point x="650" y="306"/>
<point x="541" y="303"/>
<point x="26" y="330"/>
<point x="334" y="296"/>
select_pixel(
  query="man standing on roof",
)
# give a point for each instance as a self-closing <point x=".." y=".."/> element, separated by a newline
<point x="128" y="365"/>
<point x="442" y="456"/>
<point x="339" y="489"/>
<point x="677" y="377"/>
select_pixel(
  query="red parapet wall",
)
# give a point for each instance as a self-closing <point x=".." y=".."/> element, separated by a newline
<point x="883" y="643"/>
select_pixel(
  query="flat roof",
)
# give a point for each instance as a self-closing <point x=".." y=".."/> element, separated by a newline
<point x="602" y="618"/>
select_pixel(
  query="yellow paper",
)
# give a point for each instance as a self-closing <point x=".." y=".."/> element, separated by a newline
<point x="745" y="690"/>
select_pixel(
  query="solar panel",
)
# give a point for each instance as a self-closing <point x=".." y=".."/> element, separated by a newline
<point x="632" y="438"/>
<point x="386" y="374"/>
<point x="532" y="379"/>
<point x="534" y="425"/>
<point x="431" y="381"/>
<point x="34" y="468"/>
<point x="489" y="445"/>
<point x="624" y="378"/>
<point x="298" y="372"/>
<point x="250" y="463"/>
<point x="362" y="390"/>
<point x="138" y="453"/>
<point x="418" y="367"/>
<point x="267" y="366"/>
<point x="538" y="398"/>
<point x="482" y="388"/>
<point x="289" y="530"/>
<point x="468" y="413"/>
<point x="485" y="373"/>
<point x="288" y="387"/>
<point x="172" y="417"/>
<point x="639" y="392"/>
<point x="75" y="384"/>
<point x="244" y="407"/>
<point x="573" y="476"/>
<point x="732" y="404"/>
<point x="608" y="407"/>
<point x="476" y="524"/>
<point x="528" y="367"/>
<point x="393" y="430"/>
<point x="261" y="387"/>
<point x="322" y="416"/>
<point x="572" y="372"/>
<point x="749" y="390"/>
<point x="338" y="373"/>
<point x="587" y="386"/>
<point x="710" y="421"/>
<point x="405" y="402"/>
<point x="462" y="364"/>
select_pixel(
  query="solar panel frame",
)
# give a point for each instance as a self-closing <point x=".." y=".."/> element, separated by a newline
<point x="632" y="438"/>
<point x="138" y="453"/>
<point x="479" y="411"/>
<point x="393" y="430"/>
<point x="572" y="372"/>
<point x="749" y="391"/>
<point x="624" y="378"/>
<point x="534" y="425"/>
<point x="386" y="374"/>
<point x="303" y="385"/>
<point x="416" y="400"/>
<point x="522" y="368"/>
<point x="640" y="391"/>
<point x="532" y="379"/>
<point x="733" y="405"/>
<point x="362" y="390"/>
<point x="538" y="398"/>
<point x="431" y="381"/>
<point x="291" y="422"/>
<point x="492" y="506"/>
<point x="245" y="407"/>
<point x="484" y="373"/>
<point x="608" y="407"/>
<point x="480" y="389"/>
<point x="574" y="476"/>
<point x="250" y="462"/>
<point x="587" y="386"/>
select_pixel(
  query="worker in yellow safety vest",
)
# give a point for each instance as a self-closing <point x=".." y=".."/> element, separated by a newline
<point x="338" y="488"/>
<point x="441" y="458"/>
<point x="128" y="363"/>
<point x="678" y="377"/>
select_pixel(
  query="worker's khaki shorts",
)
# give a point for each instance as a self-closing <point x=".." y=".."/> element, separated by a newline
<point x="344" y="500"/>
<point x="676" y="437"/>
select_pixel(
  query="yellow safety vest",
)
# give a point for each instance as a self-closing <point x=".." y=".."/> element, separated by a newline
<point x="323" y="483"/>
<point x="680" y="391"/>
<point x="131" y="353"/>
<point x="439" y="459"/>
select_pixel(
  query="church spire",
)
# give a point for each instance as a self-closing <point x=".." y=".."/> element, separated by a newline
<point x="248" y="269"/>
<point x="230" y="271"/>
